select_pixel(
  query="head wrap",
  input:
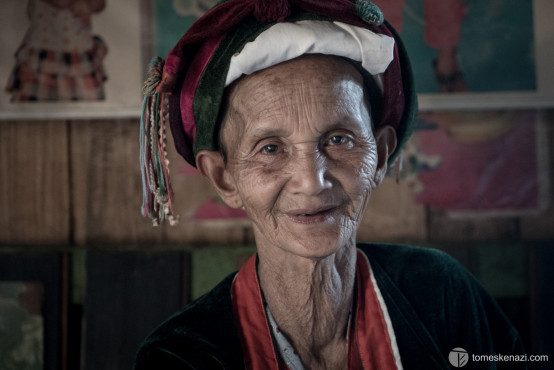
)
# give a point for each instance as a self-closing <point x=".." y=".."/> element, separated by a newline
<point x="243" y="36"/>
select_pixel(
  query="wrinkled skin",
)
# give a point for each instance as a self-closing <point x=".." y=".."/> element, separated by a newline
<point x="302" y="160"/>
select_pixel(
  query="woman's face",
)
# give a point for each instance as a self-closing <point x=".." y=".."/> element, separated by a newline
<point x="301" y="155"/>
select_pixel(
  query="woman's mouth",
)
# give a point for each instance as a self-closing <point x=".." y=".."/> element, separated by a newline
<point x="312" y="216"/>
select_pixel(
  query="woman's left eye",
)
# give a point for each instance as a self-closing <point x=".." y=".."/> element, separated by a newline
<point x="337" y="140"/>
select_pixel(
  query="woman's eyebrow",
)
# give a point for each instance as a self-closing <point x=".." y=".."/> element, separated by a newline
<point x="343" y="123"/>
<point x="267" y="130"/>
<point x="348" y="123"/>
<point x="264" y="131"/>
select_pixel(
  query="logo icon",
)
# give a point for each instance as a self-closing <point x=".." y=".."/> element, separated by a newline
<point x="458" y="357"/>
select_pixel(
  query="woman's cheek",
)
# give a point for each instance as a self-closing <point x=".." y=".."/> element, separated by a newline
<point x="368" y="165"/>
<point x="258" y="183"/>
<point x="360" y="163"/>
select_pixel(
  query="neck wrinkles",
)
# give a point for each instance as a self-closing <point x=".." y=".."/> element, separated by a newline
<point x="310" y="299"/>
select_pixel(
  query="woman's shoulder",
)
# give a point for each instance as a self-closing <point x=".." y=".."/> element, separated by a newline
<point x="420" y="271"/>
<point x="395" y="259"/>
<point x="203" y="332"/>
<point x="429" y="291"/>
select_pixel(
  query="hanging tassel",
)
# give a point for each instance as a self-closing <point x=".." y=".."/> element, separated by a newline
<point x="156" y="189"/>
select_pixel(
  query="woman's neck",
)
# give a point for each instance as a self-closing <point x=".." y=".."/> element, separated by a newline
<point x="311" y="300"/>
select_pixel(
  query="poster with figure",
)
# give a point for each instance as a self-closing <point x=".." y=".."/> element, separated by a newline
<point x="456" y="45"/>
<point x="70" y="59"/>
<point x="487" y="163"/>
<point x="60" y="57"/>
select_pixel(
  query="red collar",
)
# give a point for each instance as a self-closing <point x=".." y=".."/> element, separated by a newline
<point x="369" y="343"/>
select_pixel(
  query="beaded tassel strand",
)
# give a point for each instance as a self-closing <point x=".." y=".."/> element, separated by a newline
<point x="156" y="192"/>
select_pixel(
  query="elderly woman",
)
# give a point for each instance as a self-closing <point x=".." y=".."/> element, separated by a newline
<point x="293" y="112"/>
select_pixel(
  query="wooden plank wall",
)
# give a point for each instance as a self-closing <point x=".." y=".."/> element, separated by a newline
<point x="34" y="183"/>
<point x="105" y="182"/>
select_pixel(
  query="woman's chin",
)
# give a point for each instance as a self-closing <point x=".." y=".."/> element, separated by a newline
<point x="314" y="247"/>
<point x="314" y="240"/>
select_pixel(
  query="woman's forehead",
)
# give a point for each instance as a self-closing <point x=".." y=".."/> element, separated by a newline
<point x="308" y="77"/>
<point x="319" y="90"/>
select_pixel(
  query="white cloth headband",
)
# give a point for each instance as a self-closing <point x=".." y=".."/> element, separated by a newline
<point x="286" y="41"/>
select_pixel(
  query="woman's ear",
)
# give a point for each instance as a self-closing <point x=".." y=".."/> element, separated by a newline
<point x="212" y="165"/>
<point x="385" y="137"/>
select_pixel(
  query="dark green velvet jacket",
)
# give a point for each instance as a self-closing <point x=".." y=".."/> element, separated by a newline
<point x="435" y="305"/>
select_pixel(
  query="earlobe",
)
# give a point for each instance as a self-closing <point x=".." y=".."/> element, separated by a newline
<point x="211" y="164"/>
<point x="385" y="137"/>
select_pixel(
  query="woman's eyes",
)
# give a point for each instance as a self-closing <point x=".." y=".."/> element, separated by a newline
<point x="270" y="149"/>
<point x="337" y="140"/>
<point x="333" y="140"/>
<point x="342" y="141"/>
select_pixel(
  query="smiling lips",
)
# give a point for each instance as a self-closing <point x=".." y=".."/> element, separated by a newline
<point x="313" y="215"/>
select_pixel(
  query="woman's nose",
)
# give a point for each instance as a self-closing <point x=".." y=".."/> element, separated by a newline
<point x="309" y="173"/>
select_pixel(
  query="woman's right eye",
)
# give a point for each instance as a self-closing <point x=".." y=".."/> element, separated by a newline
<point x="269" y="149"/>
